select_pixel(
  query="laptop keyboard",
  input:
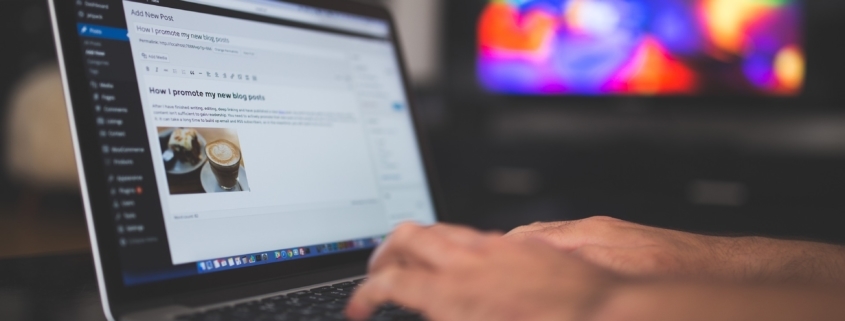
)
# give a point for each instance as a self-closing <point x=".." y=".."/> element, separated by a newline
<point x="319" y="304"/>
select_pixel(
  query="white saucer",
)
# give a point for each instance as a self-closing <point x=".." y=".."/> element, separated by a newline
<point x="210" y="185"/>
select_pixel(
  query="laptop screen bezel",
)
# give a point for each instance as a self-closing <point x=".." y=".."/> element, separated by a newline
<point x="94" y="170"/>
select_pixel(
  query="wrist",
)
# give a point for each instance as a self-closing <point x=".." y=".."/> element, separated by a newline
<point x="770" y="260"/>
<point x="738" y="258"/>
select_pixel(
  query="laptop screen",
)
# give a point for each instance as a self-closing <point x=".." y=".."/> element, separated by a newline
<point x="242" y="133"/>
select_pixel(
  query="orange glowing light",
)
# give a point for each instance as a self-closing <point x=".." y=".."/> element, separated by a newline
<point x="502" y="27"/>
<point x="653" y="71"/>
<point x="728" y="20"/>
<point x="572" y="15"/>
<point x="790" y="69"/>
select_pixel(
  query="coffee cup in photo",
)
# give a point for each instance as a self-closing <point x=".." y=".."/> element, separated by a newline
<point x="225" y="160"/>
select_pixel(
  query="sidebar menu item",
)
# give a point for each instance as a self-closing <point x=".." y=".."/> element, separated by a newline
<point x="119" y="120"/>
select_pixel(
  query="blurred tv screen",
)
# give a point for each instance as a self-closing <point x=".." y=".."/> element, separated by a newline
<point x="642" y="47"/>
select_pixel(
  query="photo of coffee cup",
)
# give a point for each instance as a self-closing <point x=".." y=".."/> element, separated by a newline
<point x="221" y="167"/>
<point x="225" y="160"/>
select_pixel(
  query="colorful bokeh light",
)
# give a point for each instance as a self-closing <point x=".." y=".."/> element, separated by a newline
<point x="642" y="47"/>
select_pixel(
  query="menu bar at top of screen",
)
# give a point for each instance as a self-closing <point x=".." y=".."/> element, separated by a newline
<point x="300" y="14"/>
<point x="303" y="14"/>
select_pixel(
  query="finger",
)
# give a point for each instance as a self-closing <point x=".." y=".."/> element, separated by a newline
<point x="412" y="244"/>
<point x="410" y="288"/>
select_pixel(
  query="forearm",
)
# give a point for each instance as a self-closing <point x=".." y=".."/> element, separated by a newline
<point x="770" y="260"/>
<point x="708" y="302"/>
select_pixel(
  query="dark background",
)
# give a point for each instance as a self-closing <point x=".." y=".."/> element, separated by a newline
<point x="28" y="44"/>
<point x="773" y="167"/>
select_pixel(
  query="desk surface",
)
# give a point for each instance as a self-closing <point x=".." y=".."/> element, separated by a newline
<point x="58" y="287"/>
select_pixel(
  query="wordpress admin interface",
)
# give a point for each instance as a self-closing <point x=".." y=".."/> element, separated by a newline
<point x="261" y="136"/>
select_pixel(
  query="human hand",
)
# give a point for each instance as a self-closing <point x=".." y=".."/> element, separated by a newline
<point x="454" y="273"/>
<point x="628" y="248"/>
<point x="641" y="251"/>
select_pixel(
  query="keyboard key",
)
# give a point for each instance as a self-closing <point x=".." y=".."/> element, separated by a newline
<point x="299" y="294"/>
<point x="285" y="317"/>
<point x="340" y="295"/>
<point x="343" y="284"/>
<point x="274" y="298"/>
<point x="295" y="303"/>
<point x="308" y="312"/>
<point x="349" y="284"/>
<point x="332" y="306"/>
<point x="272" y="307"/>
<point x="335" y="316"/>
<point x="317" y="299"/>
<point x="322" y="289"/>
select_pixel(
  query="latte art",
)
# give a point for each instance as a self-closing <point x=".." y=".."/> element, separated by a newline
<point x="223" y="153"/>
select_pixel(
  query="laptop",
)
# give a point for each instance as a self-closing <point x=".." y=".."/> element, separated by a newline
<point x="239" y="159"/>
